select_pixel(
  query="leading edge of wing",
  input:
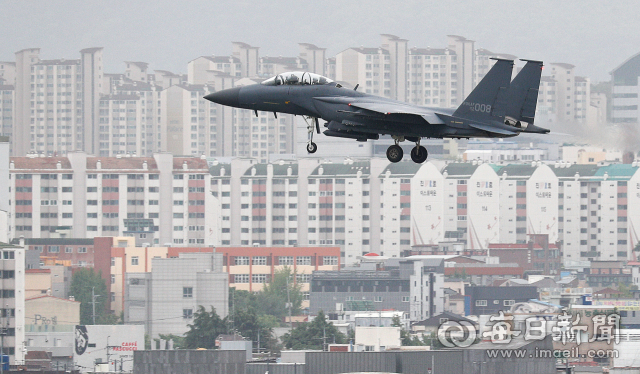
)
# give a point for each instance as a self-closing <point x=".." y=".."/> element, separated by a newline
<point x="396" y="108"/>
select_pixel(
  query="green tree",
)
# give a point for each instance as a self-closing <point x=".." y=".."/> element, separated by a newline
<point x="273" y="297"/>
<point x="82" y="283"/>
<point x="242" y="300"/>
<point x="249" y="324"/>
<point x="311" y="335"/>
<point x="627" y="290"/>
<point x="204" y="330"/>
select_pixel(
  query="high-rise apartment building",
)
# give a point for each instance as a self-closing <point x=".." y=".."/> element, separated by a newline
<point x="56" y="102"/>
<point x="7" y="102"/>
<point x="626" y="91"/>
<point x="374" y="206"/>
<point x="159" y="199"/>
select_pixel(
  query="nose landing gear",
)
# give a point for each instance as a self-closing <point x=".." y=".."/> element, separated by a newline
<point x="311" y="146"/>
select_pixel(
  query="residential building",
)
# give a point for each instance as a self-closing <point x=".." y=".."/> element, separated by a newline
<point x="119" y="195"/>
<point x="4" y="192"/>
<point x="56" y="103"/>
<point x="130" y="121"/>
<point x="491" y="300"/>
<point x="7" y="104"/>
<point x="625" y="91"/>
<point x="413" y="285"/>
<point x="469" y="205"/>
<point x="12" y="299"/>
<point x="608" y="274"/>
<point x="537" y="256"/>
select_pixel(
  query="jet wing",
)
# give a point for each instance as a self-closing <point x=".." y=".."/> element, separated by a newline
<point x="397" y="108"/>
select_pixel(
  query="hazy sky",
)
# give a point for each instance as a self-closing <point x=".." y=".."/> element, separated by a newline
<point x="594" y="35"/>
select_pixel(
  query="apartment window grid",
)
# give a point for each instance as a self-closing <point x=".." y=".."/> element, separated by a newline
<point x="241" y="260"/>
<point x="241" y="278"/>
<point x="259" y="260"/>
<point x="260" y="278"/>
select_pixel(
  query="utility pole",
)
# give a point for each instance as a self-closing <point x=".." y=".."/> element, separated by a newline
<point x="108" y="356"/>
<point x="93" y="303"/>
<point x="324" y="338"/>
<point x="289" y="306"/>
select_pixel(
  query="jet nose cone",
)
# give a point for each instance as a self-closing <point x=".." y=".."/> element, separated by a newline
<point x="229" y="97"/>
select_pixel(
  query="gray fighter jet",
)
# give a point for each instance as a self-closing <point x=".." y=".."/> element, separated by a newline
<point x="496" y="108"/>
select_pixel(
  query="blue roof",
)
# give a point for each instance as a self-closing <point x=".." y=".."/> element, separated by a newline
<point x="616" y="171"/>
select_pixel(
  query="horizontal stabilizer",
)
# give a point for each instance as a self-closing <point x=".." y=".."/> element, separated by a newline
<point x="535" y="129"/>
<point x="492" y="129"/>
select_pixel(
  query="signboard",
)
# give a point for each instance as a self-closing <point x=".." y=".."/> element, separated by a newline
<point x="110" y="344"/>
<point x="628" y="305"/>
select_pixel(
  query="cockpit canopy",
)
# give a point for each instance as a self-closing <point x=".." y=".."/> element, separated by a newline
<point x="296" y="78"/>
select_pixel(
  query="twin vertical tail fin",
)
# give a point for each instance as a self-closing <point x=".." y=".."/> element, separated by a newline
<point x="523" y="94"/>
<point x="489" y="100"/>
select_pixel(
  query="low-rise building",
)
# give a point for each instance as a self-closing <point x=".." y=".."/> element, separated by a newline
<point x="50" y="325"/>
<point x="491" y="300"/>
<point x="166" y="298"/>
<point x="413" y="285"/>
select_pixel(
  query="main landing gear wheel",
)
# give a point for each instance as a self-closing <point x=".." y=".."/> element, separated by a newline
<point x="419" y="154"/>
<point x="395" y="153"/>
<point x="312" y="147"/>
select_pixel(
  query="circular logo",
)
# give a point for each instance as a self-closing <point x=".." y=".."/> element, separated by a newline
<point x="457" y="334"/>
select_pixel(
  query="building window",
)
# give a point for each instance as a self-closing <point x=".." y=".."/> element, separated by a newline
<point x="241" y="278"/>
<point x="187" y="313"/>
<point x="187" y="292"/>
<point x="259" y="260"/>
<point x="405" y="299"/>
<point x="242" y="260"/>
<point x="481" y="302"/>
<point x="113" y="261"/>
<point x="303" y="278"/>
<point x="509" y="302"/>
<point x="330" y="260"/>
<point x="134" y="260"/>
<point x="285" y="260"/>
<point x="113" y="279"/>
<point x="377" y="299"/>
<point x="303" y="260"/>
<point x="259" y="278"/>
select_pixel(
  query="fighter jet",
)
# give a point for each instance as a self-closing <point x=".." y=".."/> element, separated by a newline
<point x="496" y="108"/>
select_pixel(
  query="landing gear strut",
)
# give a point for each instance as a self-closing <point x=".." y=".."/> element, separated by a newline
<point x="395" y="152"/>
<point x="419" y="153"/>
<point x="311" y="146"/>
